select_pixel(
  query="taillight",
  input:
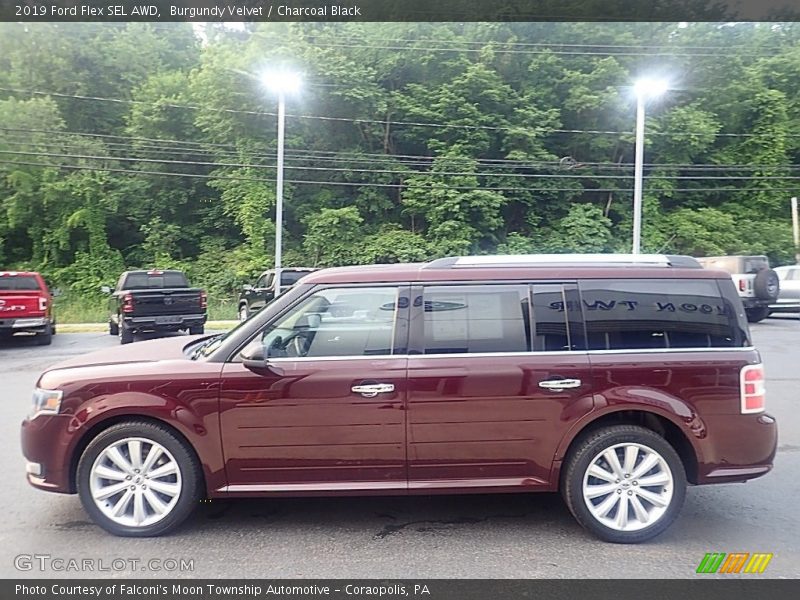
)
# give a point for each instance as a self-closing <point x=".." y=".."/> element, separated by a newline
<point x="752" y="389"/>
<point x="127" y="303"/>
<point x="42" y="304"/>
<point x="203" y="300"/>
<point x="742" y="285"/>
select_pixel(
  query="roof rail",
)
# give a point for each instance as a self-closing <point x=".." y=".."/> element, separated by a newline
<point x="561" y="260"/>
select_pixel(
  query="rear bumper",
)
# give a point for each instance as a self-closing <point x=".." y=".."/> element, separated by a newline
<point x="754" y="303"/>
<point x="24" y="324"/>
<point x="785" y="306"/>
<point x="743" y="448"/>
<point x="164" y="323"/>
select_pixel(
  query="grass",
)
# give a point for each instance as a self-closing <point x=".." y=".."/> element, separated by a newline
<point x="71" y="309"/>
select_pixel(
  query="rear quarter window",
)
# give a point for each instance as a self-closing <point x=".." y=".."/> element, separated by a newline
<point x="639" y="314"/>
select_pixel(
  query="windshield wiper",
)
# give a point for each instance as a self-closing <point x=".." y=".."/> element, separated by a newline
<point x="197" y="351"/>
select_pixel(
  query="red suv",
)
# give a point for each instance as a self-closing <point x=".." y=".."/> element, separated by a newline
<point x="26" y="306"/>
<point x="615" y="380"/>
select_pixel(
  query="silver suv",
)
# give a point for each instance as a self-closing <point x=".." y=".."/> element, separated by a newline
<point x="757" y="284"/>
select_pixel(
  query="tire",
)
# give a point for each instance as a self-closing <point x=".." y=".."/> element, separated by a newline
<point x="754" y="315"/>
<point x="125" y="334"/>
<point x="45" y="338"/>
<point x="589" y="451"/>
<point x="767" y="285"/>
<point x="244" y="313"/>
<point x="199" y="330"/>
<point x="179" y="490"/>
<point x="113" y="328"/>
<point x="53" y="328"/>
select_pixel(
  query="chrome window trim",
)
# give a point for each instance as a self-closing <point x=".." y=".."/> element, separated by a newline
<point x="512" y="354"/>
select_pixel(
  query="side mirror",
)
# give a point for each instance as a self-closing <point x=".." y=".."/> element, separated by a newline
<point x="259" y="365"/>
<point x="107" y="290"/>
<point x="247" y="288"/>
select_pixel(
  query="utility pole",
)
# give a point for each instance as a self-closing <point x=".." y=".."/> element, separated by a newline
<point x="796" y="231"/>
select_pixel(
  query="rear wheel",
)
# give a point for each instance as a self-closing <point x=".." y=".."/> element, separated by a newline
<point x="46" y="337"/>
<point x="244" y="312"/>
<point x="199" y="330"/>
<point x="113" y="328"/>
<point x="625" y="484"/>
<point x="125" y="334"/>
<point x="754" y="315"/>
<point x="138" y="479"/>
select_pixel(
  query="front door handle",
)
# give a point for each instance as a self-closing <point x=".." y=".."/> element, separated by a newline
<point x="372" y="390"/>
<point x="558" y="385"/>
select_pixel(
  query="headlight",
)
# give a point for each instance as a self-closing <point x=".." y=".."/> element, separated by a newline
<point x="46" y="402"/>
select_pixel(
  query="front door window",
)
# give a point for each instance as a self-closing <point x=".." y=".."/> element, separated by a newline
<point x="334" y="322"/>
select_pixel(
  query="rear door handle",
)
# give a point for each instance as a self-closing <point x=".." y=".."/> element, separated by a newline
<point x="372" y="390"/>
<point x="558" y="385"/>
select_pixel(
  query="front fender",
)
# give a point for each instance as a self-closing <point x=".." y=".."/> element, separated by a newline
<point x="196" y="420"/>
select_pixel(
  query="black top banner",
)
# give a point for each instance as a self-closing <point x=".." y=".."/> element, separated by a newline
<point x="399" y="10"/>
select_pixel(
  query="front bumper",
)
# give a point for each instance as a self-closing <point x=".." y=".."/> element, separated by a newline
<point x="45" y="448"/>
<point x="164" y="323"/>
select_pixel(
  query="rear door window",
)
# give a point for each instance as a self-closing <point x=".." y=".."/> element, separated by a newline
<point x="646" y="314"/>
<point x="461" y="319"/>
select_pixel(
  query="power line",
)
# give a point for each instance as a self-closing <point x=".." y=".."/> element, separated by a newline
<point x="542" y="131"/>
<point x="573" y="172"/>
<point x="409" y="173"/>
<point x="431" y="185"/>
<point x="571" y="45"/>
<point x="571" y="53"/>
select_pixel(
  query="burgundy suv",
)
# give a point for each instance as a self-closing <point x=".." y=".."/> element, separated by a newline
<point x="612" y="379"/>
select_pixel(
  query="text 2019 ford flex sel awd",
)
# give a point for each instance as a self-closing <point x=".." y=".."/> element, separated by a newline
<point x="615" y="380"/>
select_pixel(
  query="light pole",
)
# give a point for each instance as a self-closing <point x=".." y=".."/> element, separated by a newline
<point x="644" y="89"/>
<point x="280" y="83"/>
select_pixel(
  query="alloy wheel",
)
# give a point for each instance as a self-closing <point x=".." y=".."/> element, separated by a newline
<point x="628" y="487"/>
<point x="135" y="482"/>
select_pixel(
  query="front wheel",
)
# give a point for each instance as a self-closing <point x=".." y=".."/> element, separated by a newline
<point x="625" y="484"/>
<point x="138" y="479"/>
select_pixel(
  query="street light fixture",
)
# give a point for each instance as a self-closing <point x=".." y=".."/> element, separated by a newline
<point x="282" y="83"/>
<point x="645" y="89"/>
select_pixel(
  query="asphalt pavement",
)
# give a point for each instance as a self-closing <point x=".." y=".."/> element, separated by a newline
<point x="496" y="536"/>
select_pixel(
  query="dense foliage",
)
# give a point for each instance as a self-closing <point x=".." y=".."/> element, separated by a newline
<point x="154" y="144"/>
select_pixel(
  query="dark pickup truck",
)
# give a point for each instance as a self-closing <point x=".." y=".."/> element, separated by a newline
<point x="255" y="297"/>
<point x="146" y="301"/>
